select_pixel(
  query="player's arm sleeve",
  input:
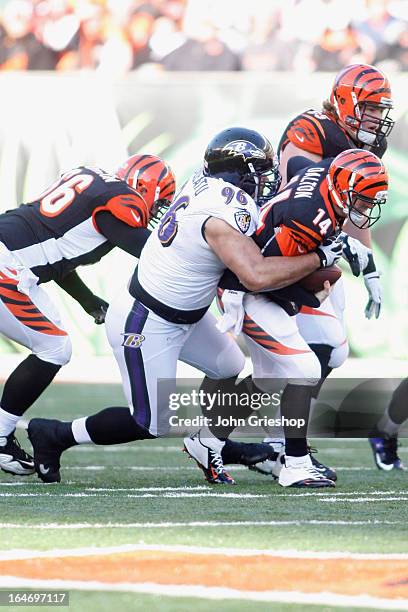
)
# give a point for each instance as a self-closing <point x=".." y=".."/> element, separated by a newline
<point x="296" y="164"/>
<point x="128" y="207"/>
<point x="244" y="220"/>
<point x="296" y="293"/>
<point x="307" y="134"/>
<point x="129" y="239"/>
<point x="230" y="281"/>
<point x="292" y="240"/>
<point x="76" y="288"/>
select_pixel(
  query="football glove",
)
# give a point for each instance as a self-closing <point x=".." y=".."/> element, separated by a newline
<point x="98" y="310"/>
<point x="330" y="251"/>
<point x="355" y="253"/>
<point x="233" y="317"/>
<point x="372" y="282"/>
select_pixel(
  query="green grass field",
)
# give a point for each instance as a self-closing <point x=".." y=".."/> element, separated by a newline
<point x="151" y="493"/>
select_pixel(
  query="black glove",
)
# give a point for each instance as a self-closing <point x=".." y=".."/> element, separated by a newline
<point x="97" y="310"/>
<point x="330" y="251"/>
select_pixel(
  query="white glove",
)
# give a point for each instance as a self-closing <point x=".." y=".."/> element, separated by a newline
<point x="355" y="253"/>
<point x="233" y="317"/>
<point x="330" y="251"/>
<point x="372" y="282"/>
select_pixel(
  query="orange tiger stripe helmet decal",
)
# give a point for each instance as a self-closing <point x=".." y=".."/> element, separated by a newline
<point x="152" y="178"/>
<point x="361" y="95"/>
<point x="358" y="185"/>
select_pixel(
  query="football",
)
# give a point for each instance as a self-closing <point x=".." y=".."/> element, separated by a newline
<point x="314" y="282"/>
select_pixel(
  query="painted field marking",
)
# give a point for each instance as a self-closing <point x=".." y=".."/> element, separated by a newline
<point x="382" y="578"/>
<point x="173" y="494"/>
<point x="208" y="524"/>
<point x="197" y="550"/>
<point x="212" y="593"/>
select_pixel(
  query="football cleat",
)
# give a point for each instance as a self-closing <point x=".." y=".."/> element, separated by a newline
<point x="246" y="453"/>
<point x="271" y="466"/>
<point x="13" y="459"/>
<point x="325" y="471"/>
<point x="208" y="459"/>
<point x="47" y="448"/>
<point x="385" y="453"/>
<point x="300" y="472"/>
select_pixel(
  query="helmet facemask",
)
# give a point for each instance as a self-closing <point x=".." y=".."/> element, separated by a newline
<point x="157" y="211"/>
<point x="262" y="185"/>
<point x="378" y="128"/>
<point x="363" y="211"/>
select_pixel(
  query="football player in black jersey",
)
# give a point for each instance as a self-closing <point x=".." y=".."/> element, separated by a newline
<point x="77" y="220"/>
<point x="357" y="114"/>
<point x="313" y="205"/>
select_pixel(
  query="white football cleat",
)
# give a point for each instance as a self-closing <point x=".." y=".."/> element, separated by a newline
<point x="207" y="458"/>
<point x="300" y="472"/>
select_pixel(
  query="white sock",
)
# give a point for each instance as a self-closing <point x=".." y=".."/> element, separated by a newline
<point x="8" y="422"/>
<point x="388" y="426"/>
<point x="278" y="444"/>
<point x="211" y="441"/>
<point x="80" y="432"/>
<point x="298" y="462"/>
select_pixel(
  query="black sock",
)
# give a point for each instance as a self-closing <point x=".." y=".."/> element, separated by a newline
<point x="295" y="404"/>
<point x="115" y="426"/>
<point x="26" y="383"/>
<point x="225" y="388"/>
<point x="398" y="410"/>
<point x="323" y="353"/>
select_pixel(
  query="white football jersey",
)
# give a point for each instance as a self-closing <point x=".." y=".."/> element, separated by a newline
<point x="177" y="266"/>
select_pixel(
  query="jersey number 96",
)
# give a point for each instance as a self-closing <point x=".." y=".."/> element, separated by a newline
<point x="168" y="226"/>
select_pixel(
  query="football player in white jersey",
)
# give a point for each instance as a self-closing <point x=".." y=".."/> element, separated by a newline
<point x="163" y="315"/>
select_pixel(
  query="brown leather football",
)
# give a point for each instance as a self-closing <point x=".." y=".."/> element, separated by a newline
<point x="314" y="282"/>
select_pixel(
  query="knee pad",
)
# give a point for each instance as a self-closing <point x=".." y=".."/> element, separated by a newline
<point x="339" y="355"/>
<point x="58" y="351"/>
<point x="230" y="362"/>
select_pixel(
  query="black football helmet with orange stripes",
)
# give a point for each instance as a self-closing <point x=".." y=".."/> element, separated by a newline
<point x="361" y="95"/>
<point x="244" y="158"/>
<point x="153" y="179"/>
<point x="358" y="186"/>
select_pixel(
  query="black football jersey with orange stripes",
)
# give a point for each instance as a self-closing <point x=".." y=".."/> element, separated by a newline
<point x="300" y="217"/>
<point x="316" y="132"/>
<point x="59" y="230"/>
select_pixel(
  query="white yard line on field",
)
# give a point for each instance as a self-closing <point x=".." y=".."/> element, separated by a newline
<point x="214" y="593"/>
<point x="155" y="448"/>
<point x="174" y="494"/>
<point x="361" y="500"/>
<point x="198" y="490"/>
<point x="194" y="524"/>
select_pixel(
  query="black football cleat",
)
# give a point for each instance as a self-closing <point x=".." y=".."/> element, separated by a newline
<point x="385" y="451"/>
<point x="43" y="435"/>
<point x="13" y="459"/>
<point x="327" y="472"/>
<point x="247" y="453"/>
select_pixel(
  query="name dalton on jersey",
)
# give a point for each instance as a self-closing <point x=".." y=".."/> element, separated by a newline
<point x="307" y="184"/>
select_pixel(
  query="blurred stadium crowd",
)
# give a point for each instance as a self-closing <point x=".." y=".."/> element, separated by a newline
<point x="117" y="36"/>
